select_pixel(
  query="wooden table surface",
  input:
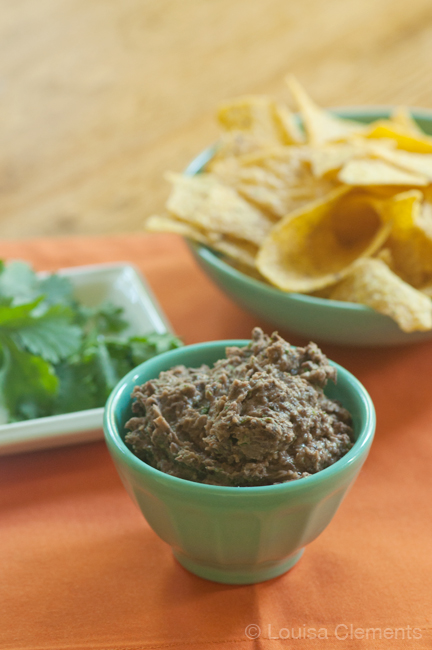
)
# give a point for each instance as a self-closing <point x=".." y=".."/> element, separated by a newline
<point x="99" y="97"/>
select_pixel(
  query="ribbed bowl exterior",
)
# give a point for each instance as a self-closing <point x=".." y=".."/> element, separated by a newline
<point x="237" y="535"/>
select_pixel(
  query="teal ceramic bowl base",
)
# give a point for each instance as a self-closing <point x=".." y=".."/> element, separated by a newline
<point x="239" y="574"/>
<point x="316" y="319"/>
<point x="229" y="534"/>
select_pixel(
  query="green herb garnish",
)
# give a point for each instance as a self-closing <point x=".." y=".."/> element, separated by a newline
<point x="57" y="355"/>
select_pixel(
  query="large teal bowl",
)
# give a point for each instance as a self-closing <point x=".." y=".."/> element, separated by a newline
<point x="316" y="319"/>
<point x="227" y="534"/>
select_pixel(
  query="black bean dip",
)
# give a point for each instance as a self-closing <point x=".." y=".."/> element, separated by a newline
<point x="258" y="417"/>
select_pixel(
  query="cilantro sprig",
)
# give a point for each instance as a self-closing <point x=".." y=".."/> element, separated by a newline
<point x="57" y="355"/>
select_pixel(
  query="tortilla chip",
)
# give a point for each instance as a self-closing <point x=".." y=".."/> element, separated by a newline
<point x="240" y="251"/>
<point x="241" y="170"/>
<point x="248" y="113"/>
<point x="255" y="183"/>
<point x="384" y="192"/>
<point x="410" y="241"/>
<point x="278" y="180"/>
<point x="162" y="223"/>
<point x="427" y="290"/>
<point x="384" y="254"/>
<point x="370" y="282"/>
<point x="288" y="125"/>
<point x="278" y="159"/>
<point x="425" y="216"/>
<point x="320" y="125"/>
<point x="235" y="143"/>
<point x="203" y="202"/>
<point x="415" y="163"/>
<point x="331" y="157"/>
<point x="261" y="116"/>
<point x="402" y="117"/>
<point x="276" y="202"/>
<point x="315" y="246"/>
<point x="377" y="172"/>
<point x="404" y="136"/>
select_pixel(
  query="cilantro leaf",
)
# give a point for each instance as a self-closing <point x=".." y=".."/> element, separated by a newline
<point x="56" y="290"/>
<point x="109" y="318"/>
<point x="105" y="319"/>
<point x="19" y="282"/>
<point x="49" y="334"/>
<point x="12" y="317"/>
<point x="58" y="355"/>
<point x="104" y="366"/>
<point x="25" y="380"/>
<point x="146" y="347"/>
<point x="77" y="390"/>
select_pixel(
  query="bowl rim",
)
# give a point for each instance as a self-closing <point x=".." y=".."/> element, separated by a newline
<point x="215" y="259"/>
<point x="113" y="437"/>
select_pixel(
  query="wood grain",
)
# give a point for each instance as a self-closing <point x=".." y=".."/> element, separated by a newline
<point x="99" y="97"/>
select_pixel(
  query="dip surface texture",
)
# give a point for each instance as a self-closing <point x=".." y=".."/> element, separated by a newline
<point x="258" y="417"/>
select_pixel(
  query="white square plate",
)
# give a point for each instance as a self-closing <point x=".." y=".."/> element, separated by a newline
<point x="124" y="286"/>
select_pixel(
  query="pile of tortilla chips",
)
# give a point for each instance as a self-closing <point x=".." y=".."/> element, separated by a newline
<point x="336" y="209"/>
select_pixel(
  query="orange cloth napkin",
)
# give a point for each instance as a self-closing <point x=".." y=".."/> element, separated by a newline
<point x="80" y="568"/>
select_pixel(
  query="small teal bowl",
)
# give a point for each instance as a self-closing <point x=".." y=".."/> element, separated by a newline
<point x="317" y="319"/>
<point x="235" y="535"/>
